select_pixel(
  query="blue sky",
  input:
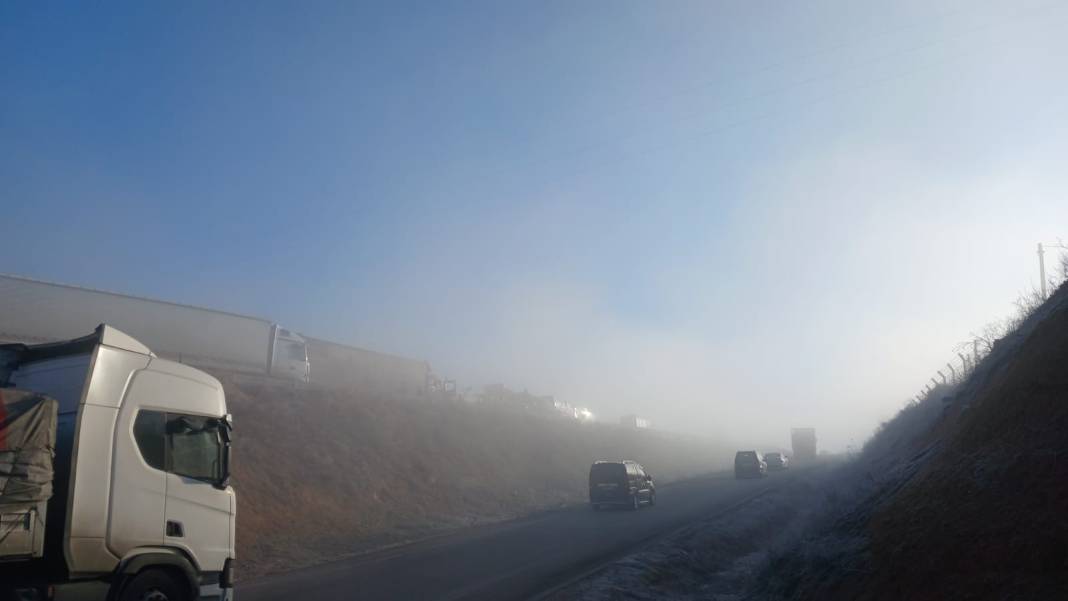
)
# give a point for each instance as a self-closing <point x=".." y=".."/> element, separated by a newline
<point x="703" y="212"/>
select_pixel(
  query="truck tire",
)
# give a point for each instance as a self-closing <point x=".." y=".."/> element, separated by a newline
<point x="153" y="585"/>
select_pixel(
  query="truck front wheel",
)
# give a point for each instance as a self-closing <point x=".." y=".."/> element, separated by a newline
<point x="153" y="585"/>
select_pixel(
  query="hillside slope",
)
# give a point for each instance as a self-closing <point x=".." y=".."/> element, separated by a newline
<point x="321" y="474"/>
<point x="987" y="516"/>
<point x="960" y="497"/>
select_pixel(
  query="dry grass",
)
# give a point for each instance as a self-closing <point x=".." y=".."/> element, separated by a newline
<point x="322" y="474"/>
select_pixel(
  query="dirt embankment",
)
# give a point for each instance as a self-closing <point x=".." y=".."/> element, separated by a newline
<point x="323" y="474"/>
<point x="987" y="516"/>
<point x="961" y="497"/>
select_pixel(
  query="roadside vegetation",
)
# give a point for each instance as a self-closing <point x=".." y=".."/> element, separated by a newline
<point x="323" y="474"/>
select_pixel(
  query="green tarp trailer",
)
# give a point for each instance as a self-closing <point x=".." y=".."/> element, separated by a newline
<point x="27" y="451"/>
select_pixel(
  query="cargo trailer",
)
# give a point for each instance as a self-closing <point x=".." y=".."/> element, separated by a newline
<point x="35" y="311"/>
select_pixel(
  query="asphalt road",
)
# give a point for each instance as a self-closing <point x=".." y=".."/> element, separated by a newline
<point x="513" y="560"/>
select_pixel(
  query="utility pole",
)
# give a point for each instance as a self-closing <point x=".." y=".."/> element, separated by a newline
<point x="1042" y="270"/>
<point x="1042" y="261"/>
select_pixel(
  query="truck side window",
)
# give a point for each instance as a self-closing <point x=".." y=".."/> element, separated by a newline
<point x="195" y="447"/>
<point x="148" y="431"/>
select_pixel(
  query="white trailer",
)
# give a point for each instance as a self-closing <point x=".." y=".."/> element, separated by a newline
<point x="343" y="366"/>
<point x="34" y="311"/>
<point x="136" y="503"/>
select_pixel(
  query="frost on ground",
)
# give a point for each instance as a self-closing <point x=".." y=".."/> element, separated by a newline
<point x="714" y="559"/>
<point x="370" y="472"/>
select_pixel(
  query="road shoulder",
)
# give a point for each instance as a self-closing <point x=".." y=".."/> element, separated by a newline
<point x="716" y="557"/>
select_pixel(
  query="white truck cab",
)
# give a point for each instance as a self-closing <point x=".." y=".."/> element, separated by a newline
<point x="141" y="506"/>
<point x="288" y="355"/>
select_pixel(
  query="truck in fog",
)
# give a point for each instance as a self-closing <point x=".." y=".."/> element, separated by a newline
<point x="114" y="474"/>
<point x="635" y="422"/>
<point x="33" y="311"/>
<point x="803" y="441"/>
<point x="343" y="366"/>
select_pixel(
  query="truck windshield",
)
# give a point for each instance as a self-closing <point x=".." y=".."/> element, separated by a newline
<point x="198" y="447"/>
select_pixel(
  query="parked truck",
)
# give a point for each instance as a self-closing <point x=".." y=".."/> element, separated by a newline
<point x="635" y="422"/>
<point x="114" y="474"/>
<point x="343" y="366"/>
<point x="33" y="311"/>
<point x="804" y="443"/>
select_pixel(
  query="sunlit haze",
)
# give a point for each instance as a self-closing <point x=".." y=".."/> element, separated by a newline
<point x="723" y="217"/>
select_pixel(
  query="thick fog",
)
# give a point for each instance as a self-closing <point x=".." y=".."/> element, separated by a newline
<point x="823" y="312"/>
<point x="729" y="220"/>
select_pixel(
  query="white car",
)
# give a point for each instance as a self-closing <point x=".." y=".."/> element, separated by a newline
<point x="777" y="461"/>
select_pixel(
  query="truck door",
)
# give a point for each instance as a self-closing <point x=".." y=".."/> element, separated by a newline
<point x="289" y="357"/>
<point x="294" y="360"/>
<point x="198" y="509"/>
<point x="139" y="485"/>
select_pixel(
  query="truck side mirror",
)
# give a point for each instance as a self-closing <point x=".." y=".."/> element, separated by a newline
<point x="224" y="481"/>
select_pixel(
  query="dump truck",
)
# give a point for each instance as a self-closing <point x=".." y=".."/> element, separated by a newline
<point x="804" y="443"/>
<point x="35" y="311"/>
<point x="114" y="474"/>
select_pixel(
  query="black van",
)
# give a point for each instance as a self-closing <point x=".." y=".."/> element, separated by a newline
<point x="622" y="483"/>
<point x="750" y="464"/>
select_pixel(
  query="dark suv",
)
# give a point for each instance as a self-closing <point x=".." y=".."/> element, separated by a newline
<point x="749" y="464"/>
<point x="621" y="483"/>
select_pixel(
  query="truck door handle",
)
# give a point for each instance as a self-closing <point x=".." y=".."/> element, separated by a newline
<point x="174" y="529"/>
